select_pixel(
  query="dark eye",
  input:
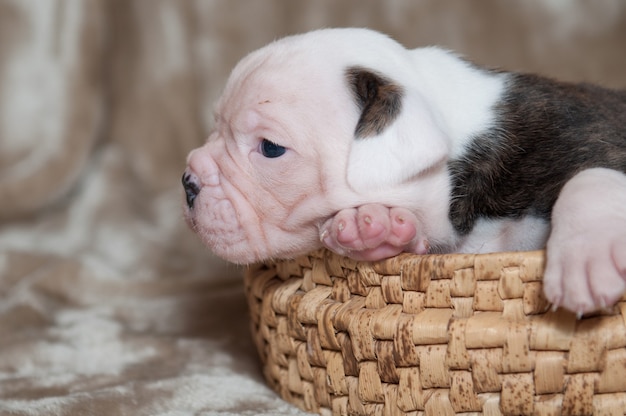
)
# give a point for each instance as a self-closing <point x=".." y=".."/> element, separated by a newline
<point x="271" y="150"/>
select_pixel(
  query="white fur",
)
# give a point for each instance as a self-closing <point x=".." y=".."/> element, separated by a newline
<point x="410" y="146"/>
<point x="489" y="235"/>
<point x="446" y="103"/>
<point x="460" y="95"/>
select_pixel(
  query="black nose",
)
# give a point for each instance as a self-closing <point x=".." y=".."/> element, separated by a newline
<point x="190" y="183"/>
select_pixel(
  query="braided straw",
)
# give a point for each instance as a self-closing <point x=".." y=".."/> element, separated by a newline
<point x="433" y="335"/>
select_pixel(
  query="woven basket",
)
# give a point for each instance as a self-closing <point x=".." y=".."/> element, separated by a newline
<point x="434" y="335"/>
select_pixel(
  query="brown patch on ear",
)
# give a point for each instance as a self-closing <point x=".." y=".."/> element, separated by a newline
<point x="378" y="98"/>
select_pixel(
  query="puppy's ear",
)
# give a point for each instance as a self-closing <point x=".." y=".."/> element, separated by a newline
<point x="396" y="137"/>
<point x="379" y="101"/>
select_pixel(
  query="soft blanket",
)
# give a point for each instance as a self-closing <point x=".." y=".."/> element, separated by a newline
<point x="109" y="305"/>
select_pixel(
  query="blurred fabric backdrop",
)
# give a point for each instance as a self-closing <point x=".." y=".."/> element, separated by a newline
<point x="108" y="304"/>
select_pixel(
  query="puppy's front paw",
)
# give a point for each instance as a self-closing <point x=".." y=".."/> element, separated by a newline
<point x="373" y="232"/>
<point x="586" y="266"/>
<point x="582" y="276"/>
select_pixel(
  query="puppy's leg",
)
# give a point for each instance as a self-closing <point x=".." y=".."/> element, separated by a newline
<point x="373" y="232"/>
<point x="586" y="266"/>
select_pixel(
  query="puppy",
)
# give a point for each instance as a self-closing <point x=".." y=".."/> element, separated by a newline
<point x="344" y="138"/>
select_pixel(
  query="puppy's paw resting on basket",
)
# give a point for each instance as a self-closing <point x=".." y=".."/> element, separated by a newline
<point x="373" y="232"/>
<point x="586" y="251"/>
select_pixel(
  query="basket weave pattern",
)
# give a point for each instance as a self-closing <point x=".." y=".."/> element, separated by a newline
<point x="434" y="335"/>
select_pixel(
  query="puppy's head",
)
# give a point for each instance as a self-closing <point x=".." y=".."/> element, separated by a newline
<point x="307" y="126"/>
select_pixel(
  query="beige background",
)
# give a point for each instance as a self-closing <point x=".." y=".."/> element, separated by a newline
<point x="108" y="304"/>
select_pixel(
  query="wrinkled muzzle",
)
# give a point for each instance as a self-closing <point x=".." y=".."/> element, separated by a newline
<point x="217" y="209"/>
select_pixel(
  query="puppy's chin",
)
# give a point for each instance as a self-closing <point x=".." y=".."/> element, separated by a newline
<point x="231" y="244"/>
<point x="250" y="249"/>
<point x="242" y="253"/>
<point x="237" y="253"/>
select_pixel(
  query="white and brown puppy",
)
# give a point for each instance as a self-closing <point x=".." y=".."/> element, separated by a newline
<point x="343" y="137"/>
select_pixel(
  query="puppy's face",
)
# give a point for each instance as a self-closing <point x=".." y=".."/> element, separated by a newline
<point x="298" y="136"/>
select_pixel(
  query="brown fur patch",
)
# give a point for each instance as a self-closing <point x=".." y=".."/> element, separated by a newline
<point x="547" y="131"/>
<point x="379" y="99"/>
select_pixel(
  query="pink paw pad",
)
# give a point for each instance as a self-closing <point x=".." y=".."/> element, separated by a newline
<point x="372" y="232"/>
